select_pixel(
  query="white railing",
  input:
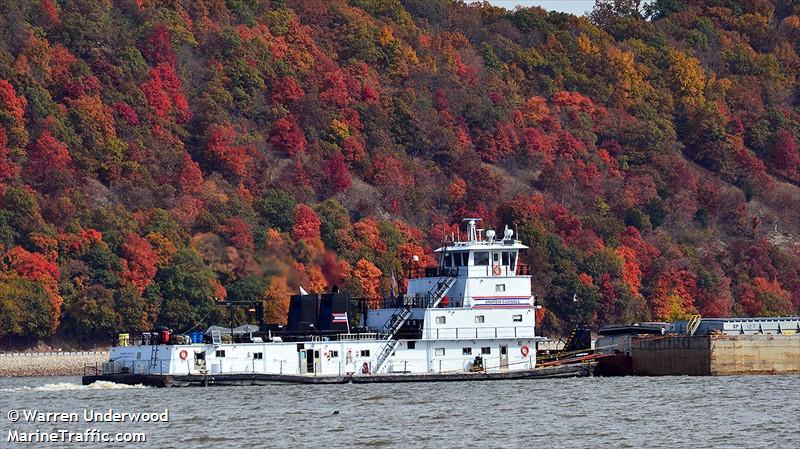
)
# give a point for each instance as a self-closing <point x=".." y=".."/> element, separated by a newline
<point x="39" y="354"/>
<point x="480" y="332"/>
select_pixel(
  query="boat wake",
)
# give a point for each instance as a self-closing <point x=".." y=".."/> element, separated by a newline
<point x="67" y="386"/>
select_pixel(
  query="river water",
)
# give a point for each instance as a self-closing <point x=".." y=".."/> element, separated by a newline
<point x="669" y="412"/>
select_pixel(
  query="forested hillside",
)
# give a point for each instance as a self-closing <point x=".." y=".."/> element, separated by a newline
<point x="156" y="155"/>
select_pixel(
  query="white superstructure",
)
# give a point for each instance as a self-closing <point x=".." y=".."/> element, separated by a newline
<point x="473" y="311"/>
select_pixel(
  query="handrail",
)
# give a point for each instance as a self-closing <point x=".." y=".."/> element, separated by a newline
<point x="488" y="332"/>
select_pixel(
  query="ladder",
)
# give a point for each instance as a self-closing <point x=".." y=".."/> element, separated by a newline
<point x="693" y="324"/>
<point x="401" y="315"/>
<point x="153" y="356"/>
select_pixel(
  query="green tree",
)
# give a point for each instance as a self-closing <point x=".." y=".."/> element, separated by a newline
<point x="188" y="288"/>
<point x="276" y="208"/>
<point x="25" y="309"/>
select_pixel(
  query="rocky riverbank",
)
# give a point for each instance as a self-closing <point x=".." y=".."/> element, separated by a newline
<point x="49" y="363"/>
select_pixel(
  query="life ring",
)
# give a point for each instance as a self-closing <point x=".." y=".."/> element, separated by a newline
<point x="365" y="368"/>
<point x="525" y="351"/>
<point x="497" y="270"/>
<point x="184" y="355"/>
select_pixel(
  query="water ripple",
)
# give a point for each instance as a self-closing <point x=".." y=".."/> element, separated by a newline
<point x="708" y="412"/>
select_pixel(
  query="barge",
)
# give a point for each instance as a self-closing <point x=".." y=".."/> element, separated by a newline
<point x="470" y="318"/>
<point x="701" y="347"/>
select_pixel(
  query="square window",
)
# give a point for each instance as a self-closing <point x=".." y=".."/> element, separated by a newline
<point x="499" y="287"/>
<point x="480" y="318"/>
<point x="220" y="353"/>
<point x="481" y="258"/>
<point x="517" y="318"/>
<point x="486" y="351"/>
<point x="439" y="352"/>
<point x="466" y="351"/>
<point x="441" y="320"/>
<point x="333" y="354"/>
<point x="411" y="345"/>
<point x="258" y="355"/>
<point x="505" y="258"/>
<point x="364" y="353"/>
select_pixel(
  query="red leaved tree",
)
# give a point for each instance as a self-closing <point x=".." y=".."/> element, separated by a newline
<point x="287" y="137"/>
<point x="338" y="176"/>
<point x="222" y="149"/>
<point x="49" y="163"/>
<point x="306" y="223"/>
<point x="139" y="262"/>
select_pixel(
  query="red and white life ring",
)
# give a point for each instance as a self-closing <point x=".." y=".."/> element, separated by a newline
<point x="183" y="354"/>
<point x="525" y="351"/>
<point x="497" y="270"/>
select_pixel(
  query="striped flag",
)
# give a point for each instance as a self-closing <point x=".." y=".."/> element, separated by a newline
<point x="341" y="317"/>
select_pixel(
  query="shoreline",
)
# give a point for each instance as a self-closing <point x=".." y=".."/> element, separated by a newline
<point x="31" y="364"/>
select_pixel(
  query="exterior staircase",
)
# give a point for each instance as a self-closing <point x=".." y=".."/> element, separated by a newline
<point x="693" y="324"/>
<point x="401" y="315"/>
<point x="153" y="357"/>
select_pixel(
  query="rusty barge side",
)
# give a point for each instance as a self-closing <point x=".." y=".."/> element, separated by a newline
<point x="714" y="355"/>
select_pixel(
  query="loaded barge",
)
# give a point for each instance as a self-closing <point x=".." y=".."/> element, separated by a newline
<point x="470" y="318"/>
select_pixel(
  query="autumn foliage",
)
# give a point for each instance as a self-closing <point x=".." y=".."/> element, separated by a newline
<point x="649" y="157"/>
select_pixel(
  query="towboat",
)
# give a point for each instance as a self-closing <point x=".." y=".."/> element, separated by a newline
<point x="471" y="317"/>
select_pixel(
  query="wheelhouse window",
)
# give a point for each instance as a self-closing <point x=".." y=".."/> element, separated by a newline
<point x="447" y="260"/>
<point x="486" y="350"/>
<point x="460" y="258"/>
<point x="513" y="260"/>
<point x="411" y="345"/>
<point x="481" y="258"/>
<point x="505" y="258"/>
<point x="466" y="351"/>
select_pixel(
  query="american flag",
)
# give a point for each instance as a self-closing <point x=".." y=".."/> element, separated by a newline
<point x="340" y="317"/>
